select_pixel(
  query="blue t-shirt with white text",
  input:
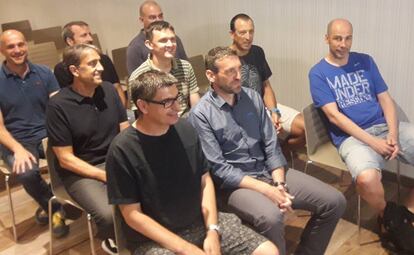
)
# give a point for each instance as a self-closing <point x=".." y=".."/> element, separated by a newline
<point x="354" y="87"/>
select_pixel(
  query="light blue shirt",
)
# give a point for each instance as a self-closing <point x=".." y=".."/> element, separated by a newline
<point x="238" y="140"/>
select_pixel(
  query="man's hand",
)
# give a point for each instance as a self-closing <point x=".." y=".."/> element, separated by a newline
<point x="211" y="244"/>
<point x="280" y="197"/>
<point x="276" y="122"/>
<point x="384" y="147"/>
<point x="191" y="249"/>
<point x="23" y="161"/>
<point x="393" y="141"/>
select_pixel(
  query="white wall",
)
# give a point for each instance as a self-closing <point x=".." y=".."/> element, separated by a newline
<point x="290" y="31"/>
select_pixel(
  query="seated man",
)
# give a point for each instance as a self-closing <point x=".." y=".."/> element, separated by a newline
<point x="240" y="142"/>
<point x="159" y="178"/>
<point x="137" y="52"/>
<point x="256" y="73"/>
<point x="24" y="92"/>
<point x="364" y="126"/>
<point x="161" y="41"/>
<point x="82" y="120"/>
<point x="77" y="32"/>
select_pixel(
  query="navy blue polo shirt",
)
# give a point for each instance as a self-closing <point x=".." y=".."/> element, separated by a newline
<point x="23" y="101"/>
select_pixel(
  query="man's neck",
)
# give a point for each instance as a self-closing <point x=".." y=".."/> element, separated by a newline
<point x="20" y="70"/>
<point x="83" y="89"/>
<point x="163" y="64"/>
<point x="239" y="52"/>
<point x="147" y="127"/>
<point x="229" y="98"/>
<point x="336" y="62"/>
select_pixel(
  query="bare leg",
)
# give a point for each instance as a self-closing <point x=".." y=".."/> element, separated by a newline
<point x="266" y="248"/>
<point x="370" y="188"/>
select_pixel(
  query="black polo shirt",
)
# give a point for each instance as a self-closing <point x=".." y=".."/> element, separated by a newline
<point x="87" y="124"/>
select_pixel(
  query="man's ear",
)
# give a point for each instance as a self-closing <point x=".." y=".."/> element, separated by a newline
<point x="211" y="76"/>
<point x="148" y="44"/>
<point x="142" y="106"/>
<point x="74" y="70"/>
<point x="70" y="41"/>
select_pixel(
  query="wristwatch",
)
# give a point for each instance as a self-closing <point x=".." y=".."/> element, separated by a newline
<point x="283" y="184"/>
<point x="277" y="111"/>
<point x="215" y="228"/>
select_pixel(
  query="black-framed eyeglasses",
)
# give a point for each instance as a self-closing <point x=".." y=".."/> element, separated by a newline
<point x="167" y="103"/>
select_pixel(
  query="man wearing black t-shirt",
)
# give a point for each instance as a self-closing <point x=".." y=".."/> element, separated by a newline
<point x="82" y="120"/>
<point x="77" y="32"/>
<point x="158" y="176"/>
<point x="256" y="73"/>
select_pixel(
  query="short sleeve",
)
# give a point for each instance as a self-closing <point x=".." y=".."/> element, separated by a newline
<point x="58" y="127"/>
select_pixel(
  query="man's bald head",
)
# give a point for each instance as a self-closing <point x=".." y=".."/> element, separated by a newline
<point x="337" y="22"/>
<point x="149" y="12"/>
<point x="10" y="33"/>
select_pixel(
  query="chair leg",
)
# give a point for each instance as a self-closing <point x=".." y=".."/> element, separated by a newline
<point x="12" y="215"/>
<point x="398" y="182"/>
<point x="359" y="219"/>
<point x="50" y="224"/>
<point x="308" y="162"/>
<point x="91" y="239"/>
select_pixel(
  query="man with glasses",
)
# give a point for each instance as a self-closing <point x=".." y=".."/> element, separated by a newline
<point x="82" y="120"/>
<point x="256" y="73"/>
<point x="137" y="52"/>
<point x="162" y="43"/>
<point x="158" y="177"/>
<point x="240" y="143"/>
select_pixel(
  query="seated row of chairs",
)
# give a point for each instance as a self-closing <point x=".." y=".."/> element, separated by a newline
<point x="320" y="150"/>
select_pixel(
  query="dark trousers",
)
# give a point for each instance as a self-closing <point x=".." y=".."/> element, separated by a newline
<point x="325" y="202"/>
<point x="92" y="196"/>
<point x="31" y="179"/>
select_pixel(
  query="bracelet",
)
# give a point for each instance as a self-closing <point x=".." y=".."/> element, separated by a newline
<point x="277" y="111"/>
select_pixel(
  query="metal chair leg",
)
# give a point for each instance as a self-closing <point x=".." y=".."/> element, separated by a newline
<point x="50" y="224"/>
<point x="398" y="182"/>
<point x="359" y="219"/>
<point x="91" y="238"/>
<point x="12" y="215"/>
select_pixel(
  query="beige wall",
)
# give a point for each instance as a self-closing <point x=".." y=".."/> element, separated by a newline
<point x="290" y="31"/>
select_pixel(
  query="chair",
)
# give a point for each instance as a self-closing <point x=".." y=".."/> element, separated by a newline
<point x="96" y="41"/>
<point x="200" y="72"/>
<point x="60" y="195"/>
<point x="321" y="150"/>
<point x="23" y="26"/>
<point x="119" y="58"/>
<point x="119" y="234"/>
<point x="7" y="175"/>
<point x="50" y="34"/>
<point x="44" y="53"/>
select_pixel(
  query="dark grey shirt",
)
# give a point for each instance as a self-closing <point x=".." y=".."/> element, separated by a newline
<point x="238" y="140"/>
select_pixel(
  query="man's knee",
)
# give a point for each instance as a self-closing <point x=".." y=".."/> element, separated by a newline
<point x="29" y="178"/>
<point x="368" y="179"/>
<point x="269" y="220"/>
<point x="336" y="203"/>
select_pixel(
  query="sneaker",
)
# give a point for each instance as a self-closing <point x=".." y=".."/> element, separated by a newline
<point x="109" y="246"/>
<point x="41" y="217"/>
<point x="59" y="228"/>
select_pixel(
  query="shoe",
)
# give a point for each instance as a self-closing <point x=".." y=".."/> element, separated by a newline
<point x="109" y="246"/>
<point x="59" y="227"/>
<point x="41" y="217"/>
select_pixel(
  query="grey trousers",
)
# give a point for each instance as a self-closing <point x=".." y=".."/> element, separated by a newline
<point x="92" y="196"/>
<point x="325" y="202"/>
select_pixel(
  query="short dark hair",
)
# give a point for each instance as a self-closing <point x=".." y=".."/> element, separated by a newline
<point x="72" y="55"/>
<point x="67" y="29"/>
<point x="145" y="86"/>
<point x="235" y="18"/>
<point x="215" y="54"/>
<point x="157" y="26"/>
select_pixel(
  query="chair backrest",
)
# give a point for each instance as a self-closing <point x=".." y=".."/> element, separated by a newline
<point x="119" y="58"/>
<point x="44" y="53"/>
<point x="119" y="234"/>
<point x="96" y="41"/>
<point x="320" y="148"/>
<point x="200" y="72"/>
<point x="50" y="34"/>
<point x="23" y="26"/>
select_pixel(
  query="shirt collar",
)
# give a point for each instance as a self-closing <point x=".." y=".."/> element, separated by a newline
<point x="9" y="73"/>
<point x="219" y="101"/>
<point x="79" y="98"/>
<point x="151" y="64"/>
